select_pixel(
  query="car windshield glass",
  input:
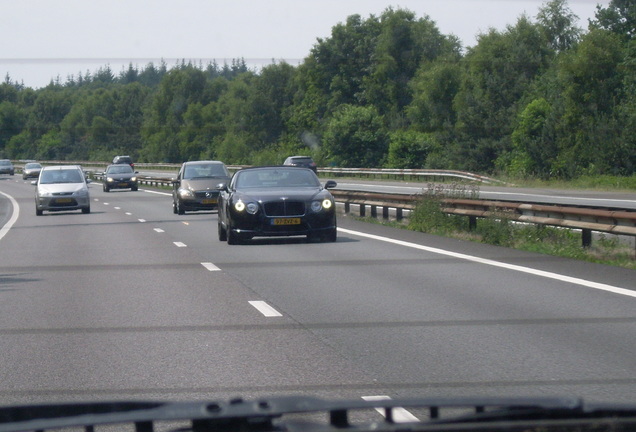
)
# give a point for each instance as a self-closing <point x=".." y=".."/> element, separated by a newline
<point x="205" y="171"/>
<point x="276" y="178"/>
<point x="119" y="169"/>
<point x="61" y="176"/>
<point x="32" y="166"/>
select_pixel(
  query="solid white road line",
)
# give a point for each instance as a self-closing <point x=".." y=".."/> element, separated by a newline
<point x="546" y="274"/>
<point x="400" y="415"/>
<point x="265" y="309"/>
<point x="14" y="217"/>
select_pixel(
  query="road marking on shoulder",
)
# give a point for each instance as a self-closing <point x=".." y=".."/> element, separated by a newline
<point x="179" y="244"/>
<point x="400" y="415"/>
<point x="155" y="192"/>
<point x="14" y="217"/>
<point x="546" y="274"/>
<point x="210" y="266"/>
<point x="265" y="309"/>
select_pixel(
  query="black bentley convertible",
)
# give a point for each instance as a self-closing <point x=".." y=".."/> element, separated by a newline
<point x="276" y="201"/>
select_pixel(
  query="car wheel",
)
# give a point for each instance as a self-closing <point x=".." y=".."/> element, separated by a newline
<point x="106" y="188"/>
<point x="39" y="212"/>
<point x="86" y="210"/>
<point x="232" y="237"/>
<point x="24" y="177"/>
<point x="331" y="236"/>
<point x="222" y="232"/>
<point x="180" y="209"/>
<point x="134" y="188"/>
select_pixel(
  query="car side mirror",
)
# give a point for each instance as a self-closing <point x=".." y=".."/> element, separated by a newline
<point x="176" y="182"/>
<point x="330" y="184"/>
<point x="221" y="187"/>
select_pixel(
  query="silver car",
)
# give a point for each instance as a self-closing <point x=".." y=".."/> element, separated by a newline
<point x="62" y="188"/>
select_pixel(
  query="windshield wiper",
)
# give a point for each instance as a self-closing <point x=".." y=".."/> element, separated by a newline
<point x="272" y="414"/>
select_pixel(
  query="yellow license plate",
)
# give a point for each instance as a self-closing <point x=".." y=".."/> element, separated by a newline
<point x="209" y="201"/>
<point x="63" y="200"/>
<point x="286" y="221"/>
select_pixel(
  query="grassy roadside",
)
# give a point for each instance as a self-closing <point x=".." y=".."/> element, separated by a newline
<point x="429" y="218"/>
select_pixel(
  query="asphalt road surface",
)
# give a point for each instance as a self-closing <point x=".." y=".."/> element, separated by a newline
<point x="132" y="301"/>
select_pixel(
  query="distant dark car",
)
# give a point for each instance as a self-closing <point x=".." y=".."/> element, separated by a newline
<point x="276" y="201"/>
<point x="31" y="170"/>
<point x="195" y="188"/>
<point x="6" y="167"/>
<point x="301" y="161"/>
<point x="120" y="176"/>
<point x="123" y="160"/>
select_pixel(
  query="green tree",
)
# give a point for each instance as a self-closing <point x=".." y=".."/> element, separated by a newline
<point x="558" y="24"/>
<point x="356" y="137"/>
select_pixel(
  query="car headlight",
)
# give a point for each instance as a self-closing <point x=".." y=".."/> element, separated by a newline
<point x="109" y="179"/>
<point x="133" y="179"/>
<point x="325" y="204"/>
<point x="252" y="208"/>
<point x="185" y="193"/>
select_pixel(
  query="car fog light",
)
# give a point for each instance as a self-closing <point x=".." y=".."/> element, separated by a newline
<point x="239" y="206"/>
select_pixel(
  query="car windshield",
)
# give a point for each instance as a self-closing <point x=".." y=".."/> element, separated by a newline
<point x="32" y="166"/>
<point x="195" y="171"/>
<point x="61" y="176"/>
<point x="5" y="162"/>
<point x="119" y="169"/>
<point x="277" y="178"/>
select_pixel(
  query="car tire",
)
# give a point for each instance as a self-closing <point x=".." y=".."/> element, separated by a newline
<point x="24" y="177"/>
<point x="231" y="236"/>
<point x="174" y="207"/>
<point x="134" y="188"/>
<point x="180" y="209"/>
<point x="86" y="210"/>
<point x="222" y="232"/>
<point x="106" y="188"/>
<point x="331" y="236"/>
<point x="39" y="212"/>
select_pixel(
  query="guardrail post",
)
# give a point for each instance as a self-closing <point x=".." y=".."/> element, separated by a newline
<point x="472" y="223"/>
<point x="374" y="211"/>
<point x="586" y="236"/>
<point x="385" y="212"/>
<point x="399" y="214"/>
<point x="347" y="207"/>
<point x="363" y="210"/>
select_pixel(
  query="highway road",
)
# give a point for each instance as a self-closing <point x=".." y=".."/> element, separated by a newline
<point x="133" y="301"/>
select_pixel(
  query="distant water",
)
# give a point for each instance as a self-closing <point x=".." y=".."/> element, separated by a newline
<point x="36" y="73"/>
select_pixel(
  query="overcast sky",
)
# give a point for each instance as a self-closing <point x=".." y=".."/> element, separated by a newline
<point x="43" y="39"/>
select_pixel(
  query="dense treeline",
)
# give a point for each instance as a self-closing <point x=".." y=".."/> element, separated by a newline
<point x="541" y="98"/>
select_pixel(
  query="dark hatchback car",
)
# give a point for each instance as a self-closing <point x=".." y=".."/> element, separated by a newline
<point x="276" y="201"/>
<point x="195" y="188"/>
<point x="123" y="160"/>
<point x="120" y="177"/>
<point x="301" y="161"/>
<point x="6" y="167"/>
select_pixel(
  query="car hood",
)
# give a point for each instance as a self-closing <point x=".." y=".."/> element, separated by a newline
<point x="61" y="188"/>
<point x="268" y="194"/>
<point x="203" y="183"/>
<point x="122" y="175"/>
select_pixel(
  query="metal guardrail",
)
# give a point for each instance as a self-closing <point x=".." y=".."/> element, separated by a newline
<point x="622" y="222"/>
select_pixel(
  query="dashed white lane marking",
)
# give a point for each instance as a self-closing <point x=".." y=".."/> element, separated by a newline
<point x="159" y="230"/>
<point x="210" y="266"/>
<point x="117" y="208"/>
<point x="549" y="275"/>
<point x="128" y="213"/>
<point x="142" y="220"/>
<point x="265" y="309"/>
<point x="400" y="415"/>
<point x="179" y="244"/>
<point x="106" y="203"/>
